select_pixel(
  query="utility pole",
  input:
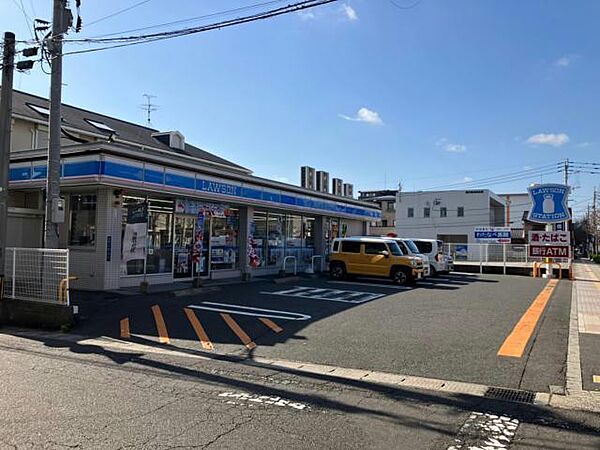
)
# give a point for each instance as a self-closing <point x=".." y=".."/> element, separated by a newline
<point x="6" y="94"/>
<point x="566" y="169"/>
<point x="61" y="18"/>
<point x="595" y="223"/>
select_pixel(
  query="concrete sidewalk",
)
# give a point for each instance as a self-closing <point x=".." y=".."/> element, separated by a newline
<point x="583" y="358"/>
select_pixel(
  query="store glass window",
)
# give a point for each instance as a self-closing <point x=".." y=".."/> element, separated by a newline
<point x="460" y="212"/>
<point x="411" y="212"/>
<point x="147" y="243"/>
<point x="224" y="242"/>
<point x="82" y="229"/>
<point x="275" y="236"/>
<point x="159" y="258"/>
<point x="426" y="212"/>
<point x="309" y="231"/>
<point x="443" y="212"/>
<point x="294" y="231"/>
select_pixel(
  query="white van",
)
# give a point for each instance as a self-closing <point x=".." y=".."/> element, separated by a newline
<point x="408" y="247"/>
<point x="434" y="249"/>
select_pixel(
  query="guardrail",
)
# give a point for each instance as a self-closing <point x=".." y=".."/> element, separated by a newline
<point x="293" y="258"/>
<point x="37" y="274"/>
<point x="504" y="255"/>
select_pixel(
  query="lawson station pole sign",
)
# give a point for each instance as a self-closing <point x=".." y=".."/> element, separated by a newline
<point x="548" y="203"/>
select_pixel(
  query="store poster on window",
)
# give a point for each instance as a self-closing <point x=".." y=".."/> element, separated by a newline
<point x="198" y="239"/>
<point x="136" y="233"/>
<point x="253" y="258"/>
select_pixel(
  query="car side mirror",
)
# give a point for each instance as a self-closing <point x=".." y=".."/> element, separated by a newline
<point x="385" y="253"/>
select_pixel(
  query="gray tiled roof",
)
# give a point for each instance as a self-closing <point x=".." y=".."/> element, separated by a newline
<point x="75" y="117"/>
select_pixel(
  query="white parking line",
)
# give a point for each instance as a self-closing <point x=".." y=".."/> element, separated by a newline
<point x="250" y="311"/>
<point x="366" y="285"/>
<point x="332" y="295"/>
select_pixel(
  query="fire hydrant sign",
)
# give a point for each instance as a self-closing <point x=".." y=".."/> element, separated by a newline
<point x="549" y="244"/>
<point x="549" y="203"/>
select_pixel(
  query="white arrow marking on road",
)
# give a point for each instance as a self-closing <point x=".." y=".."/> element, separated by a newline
<point x="250" y="311"/>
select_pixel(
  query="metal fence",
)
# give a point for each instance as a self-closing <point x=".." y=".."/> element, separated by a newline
<point x="493" y="253"/>
<point x="37" y="274"/>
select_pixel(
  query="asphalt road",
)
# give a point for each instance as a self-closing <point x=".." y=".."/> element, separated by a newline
<point x="58" y="394"/>
<point x="450" y="328"/>
<point x="165" y="371"/>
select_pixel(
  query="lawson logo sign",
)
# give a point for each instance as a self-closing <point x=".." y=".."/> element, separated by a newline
<point x="548" y="203"/>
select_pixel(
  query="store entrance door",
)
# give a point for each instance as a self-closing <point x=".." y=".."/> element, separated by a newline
<point x="183" y="242"/>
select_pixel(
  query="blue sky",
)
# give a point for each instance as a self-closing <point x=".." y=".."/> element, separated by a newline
<point x="433" y="95"/>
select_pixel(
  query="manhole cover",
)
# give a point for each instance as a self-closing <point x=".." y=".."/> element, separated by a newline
<point x="511" y="395"/>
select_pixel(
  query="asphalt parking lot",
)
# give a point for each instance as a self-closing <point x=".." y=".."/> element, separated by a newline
<point x="451" y="327"/>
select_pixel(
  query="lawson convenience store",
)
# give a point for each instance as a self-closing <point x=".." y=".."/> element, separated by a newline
<point x="165" y="218"/>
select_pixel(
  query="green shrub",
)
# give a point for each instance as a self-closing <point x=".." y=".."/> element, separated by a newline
<point x="596" y="259"/>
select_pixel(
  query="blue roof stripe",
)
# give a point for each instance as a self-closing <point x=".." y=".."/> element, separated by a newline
<point x="135" y="173"/>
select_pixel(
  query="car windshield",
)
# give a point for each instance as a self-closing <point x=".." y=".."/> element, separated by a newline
<point x="412" y="246"/>
<point x="395" y="249"/>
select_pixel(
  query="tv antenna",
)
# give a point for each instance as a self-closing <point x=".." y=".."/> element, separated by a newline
<point x="149" y="107"/>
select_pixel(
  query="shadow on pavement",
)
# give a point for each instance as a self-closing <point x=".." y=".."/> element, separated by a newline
<point x="140" y="363"/>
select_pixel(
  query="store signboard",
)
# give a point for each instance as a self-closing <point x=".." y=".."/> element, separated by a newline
<point x="497" y="235"/>
<point x="549" y="251"/>
<point x="549" y="244"/>
<point x="555" y="238"/>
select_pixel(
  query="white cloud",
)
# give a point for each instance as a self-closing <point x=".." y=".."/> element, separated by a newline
<point x="584" y="144"/>
<point x="365" y="115"/>
<point x="450" y="147"/>
<point x="349" y="12"/>
<point x="566" y="61"/>
<point x="306" y="15"/>
<point x="563" y="62"/>
<point x="467" y="179"/>
<point x="555" y="140"/>
<point x="456" y="148"/>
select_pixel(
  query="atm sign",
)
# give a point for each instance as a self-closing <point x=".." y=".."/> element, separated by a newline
<point x="548" y="251"/>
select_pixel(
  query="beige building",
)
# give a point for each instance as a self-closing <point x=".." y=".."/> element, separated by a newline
<point x="386" y="201"/>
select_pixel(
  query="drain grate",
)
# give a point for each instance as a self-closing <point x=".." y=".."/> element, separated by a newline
<point x="511" y="395"/>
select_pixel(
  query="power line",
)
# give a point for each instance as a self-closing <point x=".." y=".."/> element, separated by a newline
<point x="134" y="40"/>
<point x="192" y="19"/>
<point x="25" y="15"/>
<point x="116" y="13"/>
<point x="505" y="178"/>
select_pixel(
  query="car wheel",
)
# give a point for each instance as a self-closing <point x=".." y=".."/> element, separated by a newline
<point x="399" y="276"/>
<point x="432" y="271"/>
<point x="337" y="271"/>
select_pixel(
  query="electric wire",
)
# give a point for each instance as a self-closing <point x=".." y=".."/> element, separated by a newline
<point x="116" y="13"/>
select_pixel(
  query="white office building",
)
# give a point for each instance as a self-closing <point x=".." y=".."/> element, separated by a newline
<point x="448" y="215"/>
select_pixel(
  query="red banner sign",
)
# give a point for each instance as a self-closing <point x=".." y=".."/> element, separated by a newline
<point x="549" y="251"/>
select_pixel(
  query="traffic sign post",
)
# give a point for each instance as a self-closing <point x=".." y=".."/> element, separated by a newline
<point x="548" y="206"/>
